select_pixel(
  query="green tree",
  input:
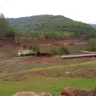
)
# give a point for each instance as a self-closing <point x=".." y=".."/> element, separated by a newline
<point x="3" y="26"/>
<point x="10" y="32"/>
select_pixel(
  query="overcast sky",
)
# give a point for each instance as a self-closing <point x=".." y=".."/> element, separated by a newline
<point x="80" y="10"/>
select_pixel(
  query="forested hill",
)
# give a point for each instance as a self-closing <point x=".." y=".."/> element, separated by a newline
<point x="33" y="22"/>
<point x="51" y="23"/>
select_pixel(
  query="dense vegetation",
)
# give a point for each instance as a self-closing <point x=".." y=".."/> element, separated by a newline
<point x="52" y="27"/>
<point x="5" y="29"/>
<point x="3" y="26"/>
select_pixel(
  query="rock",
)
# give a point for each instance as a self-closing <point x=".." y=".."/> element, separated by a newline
<point x="68" y="92"/>
<point x="84" y="93"/>
<point x="25" y="94"/>
<point x="93" y="90"/>
<point x="77" y="92"/>
<point x="31" y="94"/>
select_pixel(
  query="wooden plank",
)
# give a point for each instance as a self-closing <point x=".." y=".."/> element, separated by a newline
<point x="78" y="56"/>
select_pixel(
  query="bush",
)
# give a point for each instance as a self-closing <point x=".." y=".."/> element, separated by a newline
<point x="63" y="50"/>
<point x="91" y="45"/>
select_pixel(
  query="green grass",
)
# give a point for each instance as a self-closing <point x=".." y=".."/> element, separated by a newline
<point x="53" y="85"/>
<point x="91" y="63"/>
<point x="44" y="84"/>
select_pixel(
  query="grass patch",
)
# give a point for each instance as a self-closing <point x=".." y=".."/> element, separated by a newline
<point x="51" y="85"/>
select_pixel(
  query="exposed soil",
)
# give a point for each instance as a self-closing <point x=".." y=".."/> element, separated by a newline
<point x="76" y="71"/>
<point x="53" y="42"/>
<point x="19" y="65"/>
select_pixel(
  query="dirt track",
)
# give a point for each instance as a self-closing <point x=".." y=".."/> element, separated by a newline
<point x="38" y="60"/>
<point x="78" y="71"/>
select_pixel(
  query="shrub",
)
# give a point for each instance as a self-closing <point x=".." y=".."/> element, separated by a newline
<point x="91" y="45"/>
<point x="63" y="50"/>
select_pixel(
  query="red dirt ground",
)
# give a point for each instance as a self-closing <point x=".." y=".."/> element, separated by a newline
<point x="53" y="42"/>
<point x="89" y="73"/>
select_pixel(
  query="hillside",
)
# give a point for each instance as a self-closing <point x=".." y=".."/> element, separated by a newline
<point x="93" y="25"/>
<point x="23" y="24"/>
<point x="51" y="23"/>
